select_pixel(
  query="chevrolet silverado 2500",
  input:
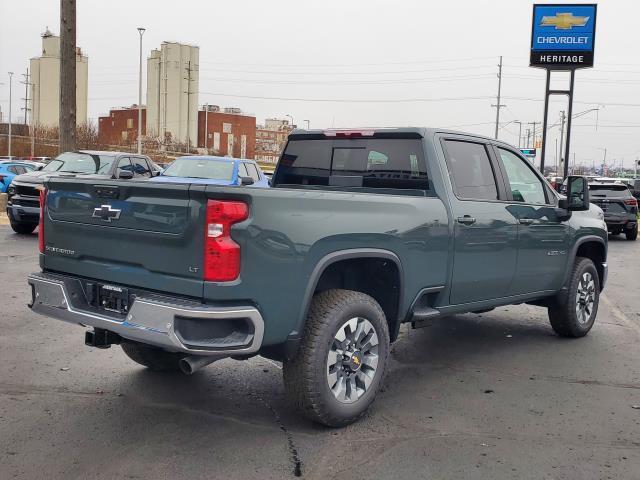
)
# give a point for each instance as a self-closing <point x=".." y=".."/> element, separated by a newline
<point x="361" y="232"/>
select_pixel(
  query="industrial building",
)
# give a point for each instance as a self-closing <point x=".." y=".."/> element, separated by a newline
<point x="172" y="93"/>
<point x="271" y="139"/>
<point x="228" y="132"/>
<point x="45" y="84"/>
<point x="120" y="127"/>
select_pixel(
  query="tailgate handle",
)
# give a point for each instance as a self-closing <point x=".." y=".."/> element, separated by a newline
<point x="107" y="192"/>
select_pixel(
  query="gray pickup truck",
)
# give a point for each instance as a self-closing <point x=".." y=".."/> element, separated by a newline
<point x="361" y="231"/>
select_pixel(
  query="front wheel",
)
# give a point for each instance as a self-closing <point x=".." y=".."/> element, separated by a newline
<point x="575" y="314"/>
<point x="23" y="228"/>
<point x="632" y="234"/>
<point x="339" y="366"/>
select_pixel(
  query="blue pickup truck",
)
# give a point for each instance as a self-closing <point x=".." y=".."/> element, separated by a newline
<point x="362" y="231"/>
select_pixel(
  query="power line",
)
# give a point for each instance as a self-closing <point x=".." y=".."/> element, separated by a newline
<point x="348" y="100"/>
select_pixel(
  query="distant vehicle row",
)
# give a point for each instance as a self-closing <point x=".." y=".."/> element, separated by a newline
<point x="24" y="185"/>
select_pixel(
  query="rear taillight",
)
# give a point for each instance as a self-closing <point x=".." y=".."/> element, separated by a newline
<point x="221" y="253"/>
<point x="631" y="201"/>
<point x="43" y="200"/>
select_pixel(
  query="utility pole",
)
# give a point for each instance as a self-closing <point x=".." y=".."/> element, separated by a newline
<point x="534" y="131"/>
<point x="26" y="95"/>
<point x="27" y="84"/>
<point x="498" y="105"/>
<point x="604" y="160"/>
<point x="188" y="92"/>
<point x="635" y="168"/>
<point x="562" y="160"/>
<point x="206" y="127"/>
<point x="141" y="32"/>
<point x="67" y="119"/>
<point x="10" y="83"/>
<point x="528" y="137"/>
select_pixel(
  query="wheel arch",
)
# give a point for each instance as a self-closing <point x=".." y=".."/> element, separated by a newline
<point x="594" y="248"/>
<point x="351" y="257"/>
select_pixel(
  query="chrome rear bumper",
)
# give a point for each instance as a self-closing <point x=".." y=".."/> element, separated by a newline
<point x="175" y="325"/>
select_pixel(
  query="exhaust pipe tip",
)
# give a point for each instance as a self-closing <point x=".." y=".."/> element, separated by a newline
<point x="191" y="364"/>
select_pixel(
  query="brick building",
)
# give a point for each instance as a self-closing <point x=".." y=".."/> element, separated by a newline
<point x="121" y="126"/>
<point x="229" y="132"/>
<point x="271" y="139"/>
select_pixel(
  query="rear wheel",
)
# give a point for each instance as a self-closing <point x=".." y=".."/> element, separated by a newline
<point x="632" y="234"/>
<point x="151" y="357"/>
<point x="340" y="364"/>
<point x="23" y="228"/>
<point x="574" y="316"/>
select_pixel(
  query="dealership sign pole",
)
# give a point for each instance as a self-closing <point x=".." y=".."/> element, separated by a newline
<point x="562" y="39"/>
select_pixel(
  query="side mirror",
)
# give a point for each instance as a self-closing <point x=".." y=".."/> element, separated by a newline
<point x="246" y="181"/>
<point x="577" y="193"/>
<point x="125" y="175"/>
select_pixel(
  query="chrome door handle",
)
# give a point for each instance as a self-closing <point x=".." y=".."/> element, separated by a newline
<point x="466" y="220"/>
<point x="526" y="221"/>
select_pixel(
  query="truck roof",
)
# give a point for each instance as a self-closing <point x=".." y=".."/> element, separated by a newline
<point x="382" y="132"/>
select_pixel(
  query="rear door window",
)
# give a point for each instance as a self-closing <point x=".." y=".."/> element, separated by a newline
<point x="470" y="170"/>
<point x="242" y="170"/>
<point x="253" y="171"/>
<point x="124" y="164"/>
<point x="140" y="167"/>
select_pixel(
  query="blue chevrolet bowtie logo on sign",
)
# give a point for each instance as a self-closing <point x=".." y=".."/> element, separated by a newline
<point x="563" y="35"/>
<point x="562" y="27"/>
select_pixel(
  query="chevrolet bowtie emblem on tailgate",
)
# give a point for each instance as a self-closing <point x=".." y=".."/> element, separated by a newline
<point x="106" y="213"/>
<point x="563" y="21"/>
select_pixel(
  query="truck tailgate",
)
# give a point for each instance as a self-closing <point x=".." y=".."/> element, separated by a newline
<point x="141" y="234"/>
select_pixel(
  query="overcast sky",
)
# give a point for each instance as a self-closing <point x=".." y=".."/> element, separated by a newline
<point x="381" y="63"/>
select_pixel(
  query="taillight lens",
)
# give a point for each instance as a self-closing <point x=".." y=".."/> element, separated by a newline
<point x="43" y="199"/>
<point x="631" y="201"/>
<point x="221" y="253"/>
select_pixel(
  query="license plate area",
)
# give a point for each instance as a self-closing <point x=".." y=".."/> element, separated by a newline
<point x="113" y="298"/>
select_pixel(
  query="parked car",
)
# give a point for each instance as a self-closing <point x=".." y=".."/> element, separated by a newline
<point x="213" y="171"/>
<point x="361" y="231"/>
<point x="23" y="203"/>
<point x="10" y="169"/>
<point x="620" y="207"/>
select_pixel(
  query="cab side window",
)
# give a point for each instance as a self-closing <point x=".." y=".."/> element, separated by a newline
<point x="525" y="185"/>
<point x="470" y="170"/>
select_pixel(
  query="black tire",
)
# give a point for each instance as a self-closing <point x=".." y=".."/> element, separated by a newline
<point x="563" y="316"/>
<point x="23" y="228"/>
<point x="151" y="357"/>
<point x="306" y="375"/>
<point x="631" y="234"/>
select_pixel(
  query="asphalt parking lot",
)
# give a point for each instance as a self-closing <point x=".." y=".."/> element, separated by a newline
<point x="492" y="396"/>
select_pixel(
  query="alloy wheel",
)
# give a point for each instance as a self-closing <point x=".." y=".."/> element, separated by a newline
<point x="352" y="360"/>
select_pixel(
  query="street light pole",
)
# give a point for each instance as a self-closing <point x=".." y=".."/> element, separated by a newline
<point x="141" y="31"/>
<point x="519" y="132"/>
<point x="291" y="119"/>
<point x="308" y="124"/>
<point x="10" y="82"/>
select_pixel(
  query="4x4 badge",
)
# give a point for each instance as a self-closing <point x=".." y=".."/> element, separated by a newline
<point x="106" y="213"/>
